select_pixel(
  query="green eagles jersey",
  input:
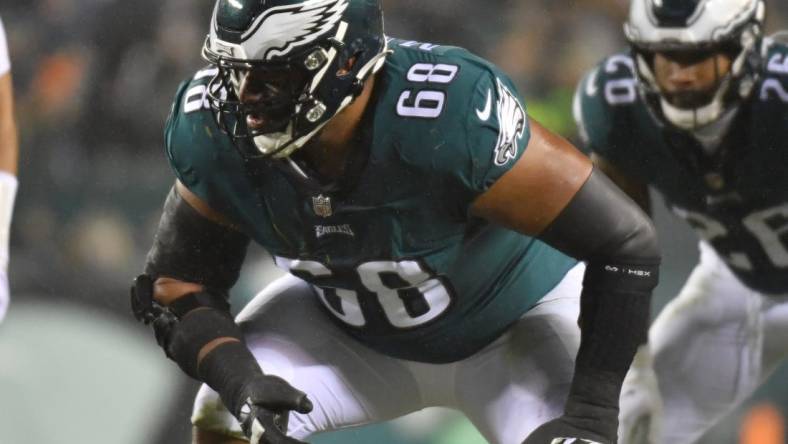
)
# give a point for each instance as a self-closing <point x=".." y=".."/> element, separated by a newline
<point x="737" y="197"/>
<point x="393" y="254"/>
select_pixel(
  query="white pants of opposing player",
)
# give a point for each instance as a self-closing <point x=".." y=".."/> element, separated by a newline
<point x="710" y="349"/>
<point x="507" y="389"/>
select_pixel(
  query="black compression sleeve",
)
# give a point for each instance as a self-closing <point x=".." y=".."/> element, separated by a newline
<point x="191" y="248"/>
<point x="226" y="370"/>
<point x="194" y="331"/>
<point x="605" y="228"/>
<point x="602" y="222"/>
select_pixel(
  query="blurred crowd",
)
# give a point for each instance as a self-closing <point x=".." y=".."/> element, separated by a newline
<point x="93" y="80"/>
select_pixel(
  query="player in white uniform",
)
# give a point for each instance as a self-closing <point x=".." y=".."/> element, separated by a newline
<point x="697" y="110"/>
<point x="9" y="152"/>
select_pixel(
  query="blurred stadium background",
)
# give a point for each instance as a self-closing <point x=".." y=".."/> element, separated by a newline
<point x="93" y="83"/>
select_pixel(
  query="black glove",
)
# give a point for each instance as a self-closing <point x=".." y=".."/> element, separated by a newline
<point x="564" y="430"/>
<point x="265" y="410"/>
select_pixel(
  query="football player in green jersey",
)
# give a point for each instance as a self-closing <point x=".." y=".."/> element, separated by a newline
<point x="431" y="232"/>
<point x="698" y="110"/>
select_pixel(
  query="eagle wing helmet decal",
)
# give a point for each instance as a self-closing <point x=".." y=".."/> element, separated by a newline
<point x="281" y="29"/>
<point x="308" y="36"/>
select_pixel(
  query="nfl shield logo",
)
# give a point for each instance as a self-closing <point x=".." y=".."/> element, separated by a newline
<point x="322" y="206"/>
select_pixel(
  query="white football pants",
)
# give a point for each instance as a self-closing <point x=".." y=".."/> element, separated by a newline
<point x="710" y="348"/>
<point x="507" y="389"/>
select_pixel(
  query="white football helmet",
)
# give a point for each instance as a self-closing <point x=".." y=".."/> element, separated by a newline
<point x="734" y="26"/>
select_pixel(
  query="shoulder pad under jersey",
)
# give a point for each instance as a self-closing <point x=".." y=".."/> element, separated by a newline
<point x="603" y="97"/>
<point x="203" y="158"/>
<point x="454" y="113"/>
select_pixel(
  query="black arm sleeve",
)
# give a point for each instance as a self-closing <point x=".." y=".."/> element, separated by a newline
<point x="605" y="228"/>
<point x="191" y="248"/>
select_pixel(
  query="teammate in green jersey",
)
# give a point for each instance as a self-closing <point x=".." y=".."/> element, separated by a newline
<point x="698" y="110"/>
<point x="402" y="186"/>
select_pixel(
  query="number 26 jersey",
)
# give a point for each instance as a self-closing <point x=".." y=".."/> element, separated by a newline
<point x="736" y="197"/>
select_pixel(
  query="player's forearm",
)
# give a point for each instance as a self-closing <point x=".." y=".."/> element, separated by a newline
<point x="607" y="230"/>
<point x="200" y="337"/>
<point x="9" y="152"/>
<point x="167" y="291"/>
<point x="8" y="182"/>
<point x="9" y="143"/>
<point x="9" y="146"/>
<point x="189" y="271"/>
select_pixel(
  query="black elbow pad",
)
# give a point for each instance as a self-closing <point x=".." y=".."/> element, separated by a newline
<point x="186" y="325"/>
<point x="601" y="222"/>
<point x="191" y="248"/>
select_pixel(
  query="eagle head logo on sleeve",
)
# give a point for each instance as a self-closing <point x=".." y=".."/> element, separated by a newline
<point x="281" y="29"/>
<point x="511" y="125"/>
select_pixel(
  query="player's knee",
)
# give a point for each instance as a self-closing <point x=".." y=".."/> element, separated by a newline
<point x="202" y="436"/>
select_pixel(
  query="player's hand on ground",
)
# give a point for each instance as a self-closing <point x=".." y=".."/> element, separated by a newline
<point x="564" y="430"/>
<point x="264" y="414"/>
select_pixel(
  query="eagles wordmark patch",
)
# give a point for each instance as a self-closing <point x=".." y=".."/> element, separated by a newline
<point x="325" y="230"/>
<point x="572" y="441"/>
<point x="511" y="125"/>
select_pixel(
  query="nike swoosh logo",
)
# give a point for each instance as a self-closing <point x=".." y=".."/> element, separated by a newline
<point x="484" y="114"/>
